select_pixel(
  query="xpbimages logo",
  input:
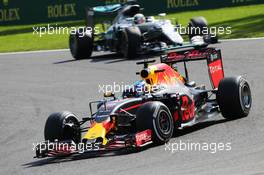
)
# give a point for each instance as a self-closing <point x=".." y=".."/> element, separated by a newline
<point x="62" y="30"/>
<point x="212" y="147"/>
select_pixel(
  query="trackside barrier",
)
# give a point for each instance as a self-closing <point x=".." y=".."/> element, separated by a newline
<point x="29" y="12"/>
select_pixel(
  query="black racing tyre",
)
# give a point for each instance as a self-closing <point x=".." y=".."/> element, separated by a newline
<point x="210" y="38"/>
<point x="62" y="126"/>
<point x="130" y="40"/>
<point x="81" y="45"/>
<point x="234" y="97"/>
<point x="157" y="117"/>
<point x="196" y="26"/>
<point x="199" y="26"/>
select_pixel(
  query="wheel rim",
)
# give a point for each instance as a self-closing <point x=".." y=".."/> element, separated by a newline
<point x="246" y="96"/>
<point x="164" y="122"/>
<point x="74" y="125"/>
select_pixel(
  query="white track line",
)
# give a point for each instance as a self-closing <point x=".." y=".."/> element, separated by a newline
<point x="62" y="50"/>
<point x="242" y="39"/>
<point x="36" y="51"/>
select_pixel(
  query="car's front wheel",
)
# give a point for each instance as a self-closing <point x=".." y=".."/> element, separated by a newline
<point x="129" y="42"/>
<point x="62" y="126"/>
<point x="157" y="117"/>
<point x="81" y="44"/>
<point x="198" y="26"/>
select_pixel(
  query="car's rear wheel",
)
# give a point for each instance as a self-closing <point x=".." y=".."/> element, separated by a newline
<point x="130" y="39"/>
<point x="81" y="44"/>
<point x="157" y="117"/>
<point x="234" y="97"/>
<point x="62" y="126"/>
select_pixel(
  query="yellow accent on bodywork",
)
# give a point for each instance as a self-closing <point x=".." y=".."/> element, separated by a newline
<point x="152" y="75"/>
<point x="95" y="132"/>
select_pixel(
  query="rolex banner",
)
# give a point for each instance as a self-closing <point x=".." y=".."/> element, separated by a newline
<point x="38" y="11"/>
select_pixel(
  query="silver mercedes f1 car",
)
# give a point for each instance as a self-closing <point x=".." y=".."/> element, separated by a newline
<point x="131" y="33"/>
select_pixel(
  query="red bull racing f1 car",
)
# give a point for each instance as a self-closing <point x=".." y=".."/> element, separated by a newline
<point x="152" y="109"/>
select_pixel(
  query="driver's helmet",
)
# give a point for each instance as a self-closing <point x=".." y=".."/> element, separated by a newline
<point x="136" y="90"/>
<point x="139" y="87"/>
<point x="139" y="18"/>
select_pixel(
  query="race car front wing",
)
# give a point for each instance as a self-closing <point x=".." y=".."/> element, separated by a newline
<point x="115" y="143"/>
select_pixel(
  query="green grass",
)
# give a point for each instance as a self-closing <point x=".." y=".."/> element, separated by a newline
<point x="21" y="38"/>
<point x="246" y="21"/>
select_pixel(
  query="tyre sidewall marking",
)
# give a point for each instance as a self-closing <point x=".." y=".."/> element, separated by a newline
<point x="157" y="111"/>
<point x="242" y="84"/>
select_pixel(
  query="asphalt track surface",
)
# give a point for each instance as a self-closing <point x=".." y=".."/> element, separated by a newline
<point x="34" y="85"/>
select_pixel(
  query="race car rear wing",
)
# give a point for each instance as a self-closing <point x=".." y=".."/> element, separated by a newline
<point x="89" y="17"/>
<point x="110" y="9"/>
<point x="107" y="8"/>
<point x="211" y="55"/>
<point x="90" y="13"/>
